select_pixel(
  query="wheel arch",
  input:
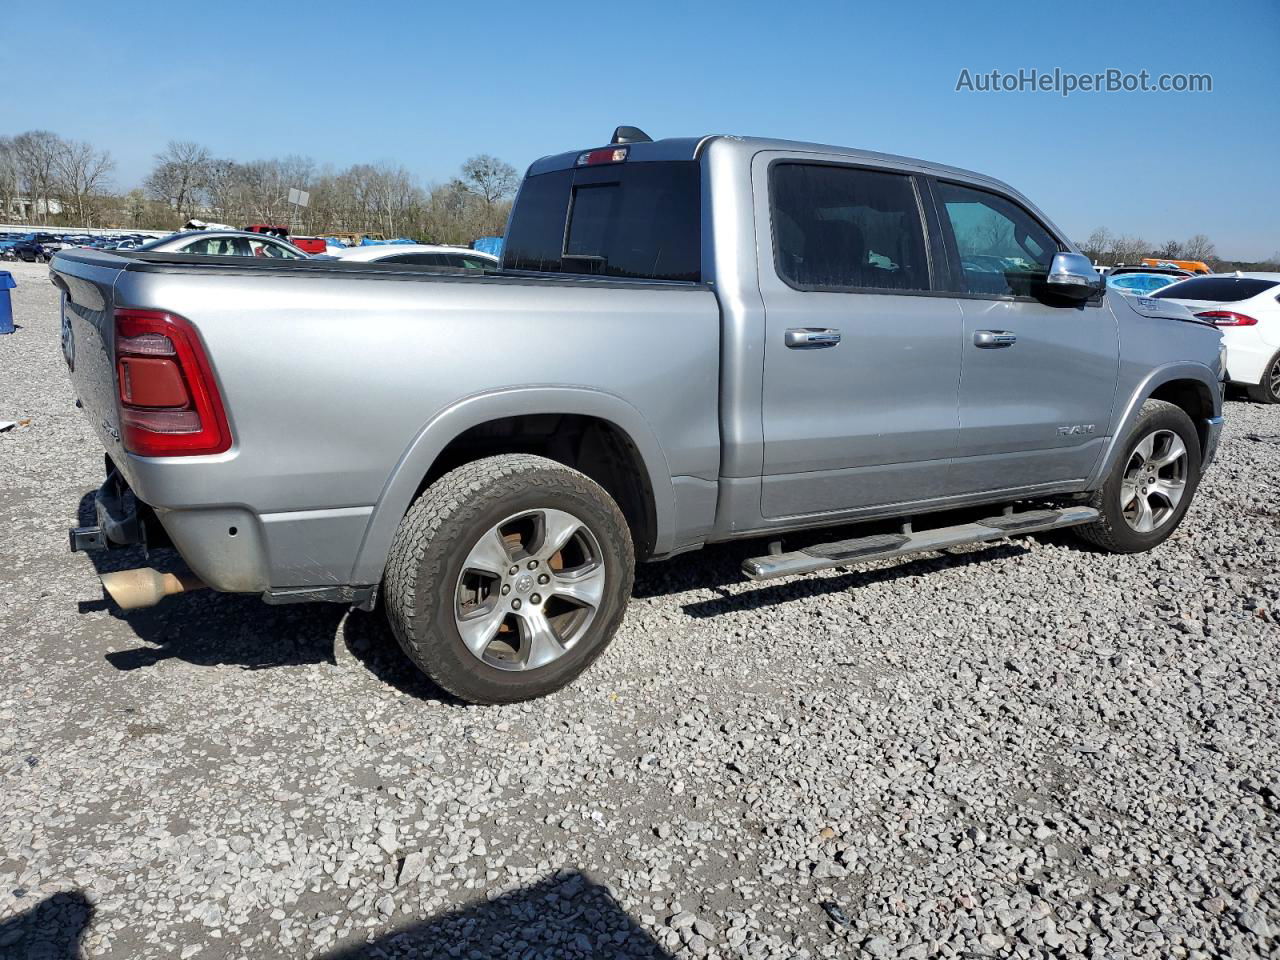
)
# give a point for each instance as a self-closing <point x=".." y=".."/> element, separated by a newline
<point x="493" y="423"/>
<point x="1189" y="386"/>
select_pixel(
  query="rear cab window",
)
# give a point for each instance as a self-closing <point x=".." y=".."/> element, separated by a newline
<point x="838" y="228"/>
<point x="638" y="221"/>
<point x="1216" y="289"/>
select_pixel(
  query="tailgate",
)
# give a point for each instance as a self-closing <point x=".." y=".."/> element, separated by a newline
<point x="87" y="281"/>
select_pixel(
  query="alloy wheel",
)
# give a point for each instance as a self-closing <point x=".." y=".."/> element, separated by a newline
<point x="1154" y="482"/>
<point x="529" y="589"/>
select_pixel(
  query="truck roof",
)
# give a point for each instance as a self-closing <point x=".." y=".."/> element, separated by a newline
<point x="688" y="148"/>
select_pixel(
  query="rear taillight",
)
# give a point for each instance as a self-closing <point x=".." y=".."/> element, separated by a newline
<point x="169" y="401"/>
<point x="1227" y="318"/>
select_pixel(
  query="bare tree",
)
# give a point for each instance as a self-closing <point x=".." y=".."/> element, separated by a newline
<point x="36" y="153"/>
<point x="80" y="176"/>
<point x="489" y="178"/>
<point x="1172" y="250"/>
<point x="1128" y="249"/>
<point x="1199" y="247"/>
<point x="8" y="177"/>
<point x="1098" y="244"/>
<point x="181" y="175"/>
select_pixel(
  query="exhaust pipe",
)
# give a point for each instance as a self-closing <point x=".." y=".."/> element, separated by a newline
<point x="146" y="586"/>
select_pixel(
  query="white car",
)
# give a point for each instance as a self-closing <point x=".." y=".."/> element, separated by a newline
<point x="1246" y="308"/>
<point x="227" y="243"/>
<point x="423" y="254"/>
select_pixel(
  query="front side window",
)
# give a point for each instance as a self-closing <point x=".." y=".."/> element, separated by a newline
<point x="843" y="228"/>
<point x="1003" y="250"/>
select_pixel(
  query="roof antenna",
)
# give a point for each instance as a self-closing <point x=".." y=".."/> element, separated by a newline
<point x="630" y="135"/>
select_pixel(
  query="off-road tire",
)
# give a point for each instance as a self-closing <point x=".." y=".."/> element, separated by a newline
<point x="1111" y="532"/>
<point x="1263" y="392"/>
<point x="435" y="537"/>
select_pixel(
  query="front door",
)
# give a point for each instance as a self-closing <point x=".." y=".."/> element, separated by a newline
<point x="1038" y="376"/>
<point x="861" y="355"/>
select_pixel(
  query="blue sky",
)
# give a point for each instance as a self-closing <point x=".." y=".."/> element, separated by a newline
<point x="426" y="85"/>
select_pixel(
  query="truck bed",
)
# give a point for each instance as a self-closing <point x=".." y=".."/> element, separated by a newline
<point x="341" y="379"/>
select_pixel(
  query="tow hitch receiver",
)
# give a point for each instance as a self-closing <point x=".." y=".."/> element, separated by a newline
<point x="87" y="539"/>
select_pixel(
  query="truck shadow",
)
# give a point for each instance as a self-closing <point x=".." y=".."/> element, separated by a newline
<point x="53" y="928"/>
<point x="564" y="915"/>
<point x="768" y="594"/>
<point x="213" y="629"/>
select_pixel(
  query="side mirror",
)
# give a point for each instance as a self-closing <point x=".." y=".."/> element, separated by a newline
<point x="1072" y="276"/>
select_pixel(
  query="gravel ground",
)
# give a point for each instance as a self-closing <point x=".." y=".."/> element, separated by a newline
<point x="1024" y="750"/>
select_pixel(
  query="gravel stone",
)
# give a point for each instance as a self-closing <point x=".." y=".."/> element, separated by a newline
<point x="1022" y="750"/>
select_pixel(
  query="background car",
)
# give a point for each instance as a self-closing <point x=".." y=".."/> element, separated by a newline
<point x="423" y="254"/>
<point x="1143" y="281"/>
<point x="31" y="248"/>
<point x="1246" y="308"/>
<point x="226" y="243"/>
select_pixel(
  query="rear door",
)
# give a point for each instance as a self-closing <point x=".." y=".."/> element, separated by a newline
<point x="861" y="354"/>
<point x="1038" y="376"/>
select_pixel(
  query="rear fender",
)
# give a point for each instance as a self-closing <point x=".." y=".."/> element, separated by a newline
<point x="416" y="462"/>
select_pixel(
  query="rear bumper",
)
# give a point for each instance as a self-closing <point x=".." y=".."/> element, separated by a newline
<point x="232" y="548"/>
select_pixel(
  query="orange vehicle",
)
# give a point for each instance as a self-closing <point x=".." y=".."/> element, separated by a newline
<point x="1191" y="266"/>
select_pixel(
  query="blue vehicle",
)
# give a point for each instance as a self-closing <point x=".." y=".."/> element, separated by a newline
<point x="1142" y="281"/>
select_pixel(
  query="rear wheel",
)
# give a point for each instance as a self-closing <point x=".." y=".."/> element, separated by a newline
<point x="508" y="577"/>
<point x="1268" y="390"/>
<point x="1151" y="485"/>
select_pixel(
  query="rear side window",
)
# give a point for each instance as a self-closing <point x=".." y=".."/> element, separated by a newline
<point x="842" y="228"/>
<point x="636" y="221"/>
<point x="1003" y="250"/>
<point x="219" y="247"/>
<point x="1216" y="289"/>
<point x="468" y="263"/>
<point x="420" y="259"/>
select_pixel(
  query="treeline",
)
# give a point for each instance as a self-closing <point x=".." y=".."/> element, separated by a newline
<point x="366" y="198"/>
<point x="51" y="172"/>
<point x="1109" y="249"/>
<point x="67" y="183"/>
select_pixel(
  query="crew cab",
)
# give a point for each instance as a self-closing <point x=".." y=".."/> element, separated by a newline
<point x="689" y="341"/>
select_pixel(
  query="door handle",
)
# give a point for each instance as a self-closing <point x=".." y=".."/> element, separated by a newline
<point x="805" y="338"/>
<point x="991" y="339"/>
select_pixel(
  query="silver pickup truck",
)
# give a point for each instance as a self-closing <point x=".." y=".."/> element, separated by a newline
<point x="688" y="341"/>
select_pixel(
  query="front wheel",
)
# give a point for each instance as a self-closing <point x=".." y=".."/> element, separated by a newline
<point x="1150" y="487"/>
<point x="508" y="577"/>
